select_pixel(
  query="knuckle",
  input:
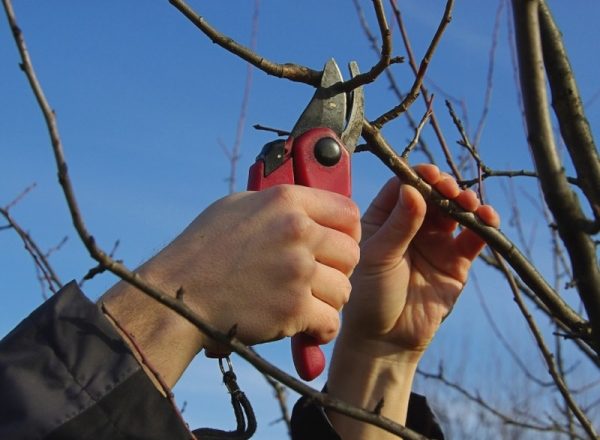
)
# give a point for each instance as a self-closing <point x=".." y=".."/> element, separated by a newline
<point x="298" y="265"/>
<point x="330" y="326"/>
<point x="354" y="254"/>
<point x="353" y="220"/>
<point x="296" y="226"/>
<point x="353" y="213"/>
<point x="282" y="195"/>
<point x="346" y="290"/>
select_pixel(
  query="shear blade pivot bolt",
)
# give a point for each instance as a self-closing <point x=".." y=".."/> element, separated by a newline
<point x="327" y="151"/>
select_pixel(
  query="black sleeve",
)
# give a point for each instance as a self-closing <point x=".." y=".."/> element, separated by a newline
<point x="65" y="373"/>
<point x="310" y="422"/>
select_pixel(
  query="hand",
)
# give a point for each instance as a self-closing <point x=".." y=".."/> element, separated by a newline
<point x="274" y="263"/>
<point x="413" y="266"/>
<point x="412" y="269"/>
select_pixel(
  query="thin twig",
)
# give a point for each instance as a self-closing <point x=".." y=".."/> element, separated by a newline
<point x="99" y="268"/>
<point x="46" y="273"/>
<point x="416" y="87"/>
<point x="422" y="146"/>
<point x="490" y="75"/>
<point x="507" y="346"/>
<point x="277" y="131"/>
<point x="415" y="140"/>
<point x="234" y="154"/>
<point x="385" y="56"/>
<point x="488" y="172"/>
<point x="466" y="143"/>
<point x="477" y="399"/>
<point x="281" y="397"/>
<point x="146" y="362"/>
<point x="20" y="197"/>
<point x="568" y="334"/>
<point x="546" y="354"/>
<point x="424" y="93"/>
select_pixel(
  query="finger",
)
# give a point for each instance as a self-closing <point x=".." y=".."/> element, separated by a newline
<point x="444" y="183"/>
<point x="447" y="186"/>
<point x="488" y="215"/>
<point x="428" y="172"/>
<point x="322" y="321"/>
<point x="395" y="235"/>
<point x="336" y="250"/>
<point x="330" y="286"/>
<point x="468" y="200"/>
<point x="329" y="209"/>
<point x="381" y="207"/>
<point x="468" y="243"/>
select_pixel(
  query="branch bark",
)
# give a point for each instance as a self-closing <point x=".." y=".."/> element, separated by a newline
<point x="293" y="72"/>
<point x="561" y="200"/>
<point x="569" y="110"/>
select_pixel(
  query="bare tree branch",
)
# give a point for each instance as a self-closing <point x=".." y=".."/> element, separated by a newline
<point x="561" y="200"/>
<point x="385" y="56"/>
<point x="293" y="72"/>
<point x="234" y="154"/>
<point x="277" y="131"/>
<point x="46" y="273"/>
<point x="507" y="346"/>
<point x="481" y="402"/>
<point x="547" y="355"/>
<point x="488" y="172"/>
<point x="414" y="142"/>
<point x="422" y="146"/>
<point x="420" y="76"/>
<point x="424" y="93"/>
<point x="490" y="76"/>
<point x="569" y="110"/>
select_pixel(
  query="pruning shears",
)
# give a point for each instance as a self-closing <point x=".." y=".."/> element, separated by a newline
<point x="316" y="154"/>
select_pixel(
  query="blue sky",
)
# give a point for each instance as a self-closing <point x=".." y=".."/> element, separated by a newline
<point x="143" y="100"/>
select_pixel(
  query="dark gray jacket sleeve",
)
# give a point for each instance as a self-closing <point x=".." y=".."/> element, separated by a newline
<point x="65" y="373"/>
<point x="310" y="422"/>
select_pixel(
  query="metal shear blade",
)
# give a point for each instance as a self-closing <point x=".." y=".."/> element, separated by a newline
<point x="330" y="109"/>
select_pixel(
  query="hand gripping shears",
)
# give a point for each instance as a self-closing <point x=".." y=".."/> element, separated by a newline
<point x="316" y="154"/>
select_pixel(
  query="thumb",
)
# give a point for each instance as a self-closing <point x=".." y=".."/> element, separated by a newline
<point x="392" y="239"/>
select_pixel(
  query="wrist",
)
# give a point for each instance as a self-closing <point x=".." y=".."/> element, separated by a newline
<point x="162" y="339"/>
<point x="363" y="373"/>
<point x="362" y="348"/>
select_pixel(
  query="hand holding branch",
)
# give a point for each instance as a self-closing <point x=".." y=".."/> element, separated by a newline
<point x="413" y="267"/>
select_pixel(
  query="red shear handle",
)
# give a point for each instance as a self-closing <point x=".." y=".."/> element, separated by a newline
<point x="298" y="161"/>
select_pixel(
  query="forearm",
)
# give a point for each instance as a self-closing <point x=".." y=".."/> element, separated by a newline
<point x="163" y="342"/>
<point x="368" y="380"/>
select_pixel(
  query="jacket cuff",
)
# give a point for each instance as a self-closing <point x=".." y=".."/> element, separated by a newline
<point x="310" y="420"/>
